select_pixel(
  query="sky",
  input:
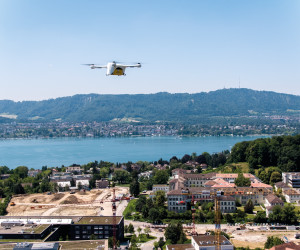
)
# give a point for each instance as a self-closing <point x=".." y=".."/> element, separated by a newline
<point x="184" y="46"/>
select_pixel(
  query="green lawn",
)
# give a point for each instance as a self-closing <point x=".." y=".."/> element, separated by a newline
<point x="122" y="185"/>
<point x="257" y="208"/>
<point x="142" y="238"/>
<point x="130" y="209"/>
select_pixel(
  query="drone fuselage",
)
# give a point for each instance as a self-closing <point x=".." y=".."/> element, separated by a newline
<point x="115" y="69"/>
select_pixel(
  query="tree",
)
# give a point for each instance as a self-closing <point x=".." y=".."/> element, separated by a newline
<point x="121" y="176"/>
<point x="275" y="177"/>
<point x="140" y="203"/>
<point x="126" y="229"/>
<point x="273" y="241"/>
<point x="173" y="232"/>
<point x="161" y="242"/>
<point x="288" y="215"/>
<point x="228" y="218"/>
<point x="130" y="229"/>
<point x="147" y="231"/>
<point x="161" y="177"/>
<point x="249" y="207"/>
<point x="134" y="188"/>
<point x="139" y="230"/>
<point x="260" y="217"/>
<point x="241" y="181"/>
<point x="276" y="215"/>
<point x="182" y="238"/>
<point x="160" y="198"/>
<point x="153" y="214"/>
<point x="93" y="237"/>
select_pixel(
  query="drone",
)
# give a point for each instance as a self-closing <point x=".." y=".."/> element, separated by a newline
<point x="115" y="68"/>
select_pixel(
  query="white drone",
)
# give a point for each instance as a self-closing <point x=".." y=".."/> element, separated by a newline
<point x="115" y="68"/>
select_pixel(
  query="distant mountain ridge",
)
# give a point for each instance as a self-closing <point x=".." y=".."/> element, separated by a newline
<point x="181" y="107"/>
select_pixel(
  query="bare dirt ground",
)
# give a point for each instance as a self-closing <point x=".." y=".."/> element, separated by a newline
<point x="257" y="239"/>
<point x="87" y="203"/>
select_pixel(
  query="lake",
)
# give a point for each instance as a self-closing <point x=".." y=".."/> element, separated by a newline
<point x="36" y="153"/>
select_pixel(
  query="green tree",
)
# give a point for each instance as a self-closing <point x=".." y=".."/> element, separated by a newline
<point x="140" y="203"/>
<point x="153" y="214"/>
<point x="249" y="207"/>
<point x="134" y="188"/>
<point x="161" y="177"/>
<point x="273" y="241"/>
<point x="173" y="232"/>
<point x="275" y="177"/>
<point x="276" y="215"/>
<point x="130" y="229"/>
<point x="147" y="231"/>
<point x="160" y="198"/>
<point x="260" y="217"/>
<point x="241" y="181"/>
<point x="289" y="215"/>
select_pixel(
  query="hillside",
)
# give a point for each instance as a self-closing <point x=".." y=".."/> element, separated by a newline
<point x="156" y="107"/>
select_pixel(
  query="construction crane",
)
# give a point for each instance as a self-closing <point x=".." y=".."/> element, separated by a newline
<point x="217" y="196"/>
<point x="193" y="209"/>
<point x="114" y="212"/>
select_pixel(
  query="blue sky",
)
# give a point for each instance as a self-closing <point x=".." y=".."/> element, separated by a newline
<point x="185" y="46"/>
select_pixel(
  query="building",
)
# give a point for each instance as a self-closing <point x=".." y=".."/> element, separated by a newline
<point x="76" y="169"/>
<point x="37" y="246"/>
<point x="281" y="185"/>
<point x="102" y="183"/>
<point x="203" y="242"/>
<point x="270" y="202"/>
<point x="286" y="246"/>
<point x="227" y="204"/>
<point x="292" y="179"/>
<point x="273" y="200"/>
<point x="208" y="242"/>
<point x="164" y="188"/>
<point x="51" y="228"/>
<point x="291" y="195"/>
<point x="180" y="247"/>
<point x="34" y="173"/>
<point x="178" y="199"/>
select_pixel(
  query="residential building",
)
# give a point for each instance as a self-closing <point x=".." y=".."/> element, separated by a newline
<point x="76" y="169"/>
<point x="227" y="204"/>
<point x="34" y="173"/>
<point x="177" y="199"/>
<point x="281" y="185"/>
<point x="286" y="246"/>
<point x="292" y="179"/>
<point x="102" y="183"/>
<point x="208" y="242"/>
<point x="271" y="201"/>
<point x="164" y="188"/>
<point x="180" y="247"/>
<point x="291" y="195"/>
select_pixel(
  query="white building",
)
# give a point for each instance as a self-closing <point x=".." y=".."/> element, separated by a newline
<point x="292" y="195"/>
<point x="208" y="242"/>
<point x="164" y="188"/>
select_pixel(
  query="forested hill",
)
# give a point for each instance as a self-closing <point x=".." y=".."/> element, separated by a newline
<point x="156" y="107"/>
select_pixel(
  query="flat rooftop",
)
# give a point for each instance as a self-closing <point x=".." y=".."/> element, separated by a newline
<point x="103" y="220"/>
<point x="23" y="229"/>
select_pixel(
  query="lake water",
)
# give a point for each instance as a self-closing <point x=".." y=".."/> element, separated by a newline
<point x="66" y="151"/>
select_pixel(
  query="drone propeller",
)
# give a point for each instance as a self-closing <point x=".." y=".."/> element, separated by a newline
<point x="88" y="64"/>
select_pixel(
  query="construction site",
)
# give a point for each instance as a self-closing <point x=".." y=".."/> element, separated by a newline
<point x="97" y="202"/>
